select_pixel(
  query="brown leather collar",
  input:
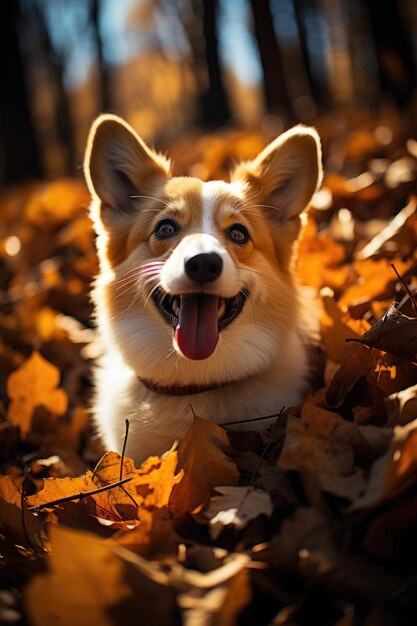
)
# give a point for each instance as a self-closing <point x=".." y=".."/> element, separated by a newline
<point x="180" y="390"/>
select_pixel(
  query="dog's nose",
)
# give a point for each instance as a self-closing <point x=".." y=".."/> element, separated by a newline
<point x="204" y="267"/>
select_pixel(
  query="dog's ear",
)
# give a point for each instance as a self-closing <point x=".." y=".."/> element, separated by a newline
<point x="118" y="165"/>
<point x="286" y="173"/>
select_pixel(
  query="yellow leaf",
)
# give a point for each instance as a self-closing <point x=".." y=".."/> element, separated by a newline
<point x="92" y="582"/>
<point x="32" y="385"/>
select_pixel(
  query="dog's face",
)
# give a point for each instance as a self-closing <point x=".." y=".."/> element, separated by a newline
<point x="196" y="283"/>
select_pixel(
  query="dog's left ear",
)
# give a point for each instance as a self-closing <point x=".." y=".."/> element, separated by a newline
<point x="286" y="173"/>
<point x="119" y="166"/>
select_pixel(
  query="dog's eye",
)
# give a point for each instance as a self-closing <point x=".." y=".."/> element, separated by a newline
<point x="238" y="234"/>
<point x="166" y="229"/>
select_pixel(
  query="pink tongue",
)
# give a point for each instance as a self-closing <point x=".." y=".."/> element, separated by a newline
<point x="197" y="332"/>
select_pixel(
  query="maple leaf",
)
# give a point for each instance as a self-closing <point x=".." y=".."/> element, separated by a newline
<point x="34" y="384"/>
<point x="204" y="464"/>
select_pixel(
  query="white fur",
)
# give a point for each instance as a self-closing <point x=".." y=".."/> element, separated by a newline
<point x="157" y="420"/>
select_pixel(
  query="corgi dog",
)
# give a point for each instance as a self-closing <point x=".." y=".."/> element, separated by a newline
<point x="196" y="301"/>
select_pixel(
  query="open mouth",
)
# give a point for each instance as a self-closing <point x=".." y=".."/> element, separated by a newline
<point x="197" y="319"/>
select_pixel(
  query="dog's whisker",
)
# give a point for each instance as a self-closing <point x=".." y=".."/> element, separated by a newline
<point x="258" y="193"/>
<point x="151" y="198"/>
<point x="139" y="273"/>
<point x="132" y="279"/>
<point x="251" y="213"/>
<point x="154" y="288"/>
<point x="249" y="269"/>
<point x="126" y="281"/>
<point x="266" y="206"/>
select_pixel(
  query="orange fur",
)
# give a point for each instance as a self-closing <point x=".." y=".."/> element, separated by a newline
<point x="256" y="354"/>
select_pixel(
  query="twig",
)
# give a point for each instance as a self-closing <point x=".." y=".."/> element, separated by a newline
<point x="255" y="419"/>
<point x="23" y="508"/>
<point x="264" y="452"/>
<point x="406" y="287"/>
<point x="122" y="458"/>
<point x="124" y="448"/>
<point x="80" y="496"/>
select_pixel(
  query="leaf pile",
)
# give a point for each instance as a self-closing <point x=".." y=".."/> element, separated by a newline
<point x="310" y="522"/>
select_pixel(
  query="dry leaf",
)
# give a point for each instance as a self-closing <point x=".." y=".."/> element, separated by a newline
<point x="358" y="364"/>
<point x="35" y="384"/>
<point x="402" y="406"/>
<point x="89" y="583"/>
<point x="395" y="333"/>
<point x="205" y="466"/>
<point x="236" y="507"/>
<point x="336" y="327"/>
<point x="154" y="537"/>
<point x="394" y="472"/>
<point x="324" y="464"/>
<point x="21" y="527"/>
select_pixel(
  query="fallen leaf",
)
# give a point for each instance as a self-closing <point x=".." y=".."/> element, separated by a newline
<point x="358" y="364"/>
<point x="324" y="464"/>
<point x="236" y="507"/>
<point x="373" y="279"/>
<point x="392" y="229"/>
<point x="34" y="384"/>
<point x="336" y="327"/>
<point x="307" y="545"/>
<point x="395" y="333"/>
<point x="394" y="472"/>
<point x="402" y="406"/>
<point x="154" y="537"/>
<point x="89" y="582"/>
<point x="204" y="464"/>
<point x="20" y="526"/>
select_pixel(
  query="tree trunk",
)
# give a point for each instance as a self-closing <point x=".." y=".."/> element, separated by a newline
<point x="19" y="158"/>
<point x="215" y="108"/>
<point x="276" y="93"/>
<point x="103" y="69"/>
<point x="396" y="65"/>
<point x="317" y="90"/>
<point x="55" y="63"/>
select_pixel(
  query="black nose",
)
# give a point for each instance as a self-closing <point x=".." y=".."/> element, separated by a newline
<point x="204" y="267"/>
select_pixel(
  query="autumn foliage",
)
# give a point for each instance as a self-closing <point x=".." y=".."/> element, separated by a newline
<point x="310" y="522"/>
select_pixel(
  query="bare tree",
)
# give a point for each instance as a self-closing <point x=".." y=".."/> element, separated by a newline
<point x="276" y="92"/>
<point x="214" y="109"/>
<point x="103" y="68"/>
<point x="396" y="65"/>
<point x="19" y="158"/>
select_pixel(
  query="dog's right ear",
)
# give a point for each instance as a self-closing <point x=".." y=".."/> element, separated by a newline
<point x="118" y="165"/>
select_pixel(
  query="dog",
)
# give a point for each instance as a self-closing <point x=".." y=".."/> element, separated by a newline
<point x="196" y="300"/>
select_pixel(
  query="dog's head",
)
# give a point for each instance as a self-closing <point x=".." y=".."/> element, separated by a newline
<point x="196" y="280"/>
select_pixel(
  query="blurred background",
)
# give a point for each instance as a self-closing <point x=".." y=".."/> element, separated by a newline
<point x="177" y="69"/>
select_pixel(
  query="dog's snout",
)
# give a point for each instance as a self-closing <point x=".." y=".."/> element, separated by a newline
<point x="204" y="268"/>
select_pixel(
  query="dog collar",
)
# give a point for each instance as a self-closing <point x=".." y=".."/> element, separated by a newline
<point x="179" y="390"/>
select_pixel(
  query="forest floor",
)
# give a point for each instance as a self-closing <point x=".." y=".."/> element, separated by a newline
<point x="311" y="522"/>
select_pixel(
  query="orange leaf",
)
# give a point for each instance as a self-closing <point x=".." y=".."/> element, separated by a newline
<point x="204" y="464"/>
<point x="22" y="527"/>
<point x="32" y="385"/>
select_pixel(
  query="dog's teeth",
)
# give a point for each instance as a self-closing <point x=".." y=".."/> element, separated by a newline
<point x="175" y="307"/>
<point x="222" y="308"/>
